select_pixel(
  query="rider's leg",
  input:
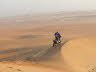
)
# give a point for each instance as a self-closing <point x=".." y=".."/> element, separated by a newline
<point x="56" y="38"/>
<point x="54" y="42"/>
<point x="59" y="40"/>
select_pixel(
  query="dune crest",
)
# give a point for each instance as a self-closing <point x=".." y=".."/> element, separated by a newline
<point x="80" y="54"/>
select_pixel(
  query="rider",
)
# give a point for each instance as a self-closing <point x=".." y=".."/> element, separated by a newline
<point x="57" y="36"/>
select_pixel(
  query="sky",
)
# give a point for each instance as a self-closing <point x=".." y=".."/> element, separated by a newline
<point x="15" y="7"/>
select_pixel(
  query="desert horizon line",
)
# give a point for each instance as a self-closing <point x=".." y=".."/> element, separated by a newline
<point x="48" y="13"/>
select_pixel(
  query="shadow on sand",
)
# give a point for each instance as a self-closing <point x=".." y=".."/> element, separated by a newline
<point x="32" y="54"/>
<point x="28" y="36"/>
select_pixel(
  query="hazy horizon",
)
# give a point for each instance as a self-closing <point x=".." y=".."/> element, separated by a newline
<point x="15" y="7"/>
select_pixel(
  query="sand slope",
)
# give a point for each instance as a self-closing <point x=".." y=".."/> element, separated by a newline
<point x="37" y="60"/>
<point x="80" y="54"/>
<point x="5" y="67"/>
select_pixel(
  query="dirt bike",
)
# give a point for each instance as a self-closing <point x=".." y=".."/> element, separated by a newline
<point x="56" y="42"/>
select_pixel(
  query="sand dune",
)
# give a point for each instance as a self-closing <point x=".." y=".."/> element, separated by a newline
<point x="28" y="39"/>
<point x="77" y="55"/>
<point x="80" y="54"/>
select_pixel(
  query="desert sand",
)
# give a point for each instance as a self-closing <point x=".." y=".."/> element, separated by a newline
<point x="80" y="54"/>
<point x="9" y="67"/>
<point x="26" y="43"/>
